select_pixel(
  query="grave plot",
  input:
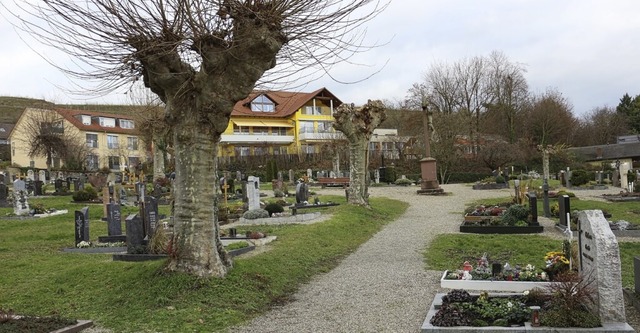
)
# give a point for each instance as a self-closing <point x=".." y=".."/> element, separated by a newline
<point x="591" y="303"/>
<point x="516" y="219"/>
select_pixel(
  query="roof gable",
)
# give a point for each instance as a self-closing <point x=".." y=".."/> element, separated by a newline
<point x="287" y="102"/>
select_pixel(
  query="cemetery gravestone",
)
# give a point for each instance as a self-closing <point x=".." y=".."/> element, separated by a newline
<point x="19" y="185"/>
<point x="150" y="216"/>
<point x="59" y="186"/>
<point x="135" y="234"/>
<point x="291" y="175"/>
<point x="533" y="207"/>
<point x="253" y="194"/>
<point x="309" y="173"/>
<point x="600" y="261"/>
<point x="30" y="175"/>
<point x="302" y="193"/>
<point x="82" y="225"/>
<point x="114" y="219"/>
<point x="4" y="195"/>
<point x="238" y="176"/>
<point x="37" y="187"/>
<point x="2" y="178"/>
<point x="42" y="175"/>
<point x="564" y="208"/>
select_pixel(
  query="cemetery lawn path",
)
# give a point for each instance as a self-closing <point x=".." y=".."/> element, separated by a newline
<point x="383" y="286"/>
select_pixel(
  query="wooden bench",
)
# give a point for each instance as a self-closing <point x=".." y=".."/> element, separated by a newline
<point x="333" y="181"/>
<point x="294" y="208"/>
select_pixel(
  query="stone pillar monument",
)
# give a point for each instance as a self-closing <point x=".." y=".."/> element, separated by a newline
<point x="429" y="184"/>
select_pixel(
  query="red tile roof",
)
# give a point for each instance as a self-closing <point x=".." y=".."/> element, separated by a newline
<point x="287" y="102"/>
<point x="71" y="116"/>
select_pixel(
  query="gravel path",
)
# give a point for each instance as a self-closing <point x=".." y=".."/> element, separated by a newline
<point x="383" y="286"/>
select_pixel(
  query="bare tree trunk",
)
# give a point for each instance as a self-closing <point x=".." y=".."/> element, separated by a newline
<point x="158" y="160"/>
<point x="197" y="249"/>
<point x="358" y="194"/>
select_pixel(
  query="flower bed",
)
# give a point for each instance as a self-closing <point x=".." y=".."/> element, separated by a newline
<point x="499" y="220"/>
<point x="475" y="228"/>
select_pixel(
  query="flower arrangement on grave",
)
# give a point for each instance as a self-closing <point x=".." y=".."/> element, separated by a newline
<point x="83" y="245"/>
<point x="497" y="272"/>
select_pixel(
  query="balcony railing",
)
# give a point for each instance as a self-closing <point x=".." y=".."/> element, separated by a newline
<point x="252" y="138"/>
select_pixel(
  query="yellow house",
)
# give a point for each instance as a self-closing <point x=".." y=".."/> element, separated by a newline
<point x="108" y="140"/>
<point x="280" y="122"/>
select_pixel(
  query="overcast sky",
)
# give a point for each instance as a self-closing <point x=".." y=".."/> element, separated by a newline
<point x="587" y="50"/>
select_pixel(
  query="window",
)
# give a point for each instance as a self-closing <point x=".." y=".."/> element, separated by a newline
<point x="132" y="143"/>
<point x="325" y="127"/>
<point x="279" y="131"/>
<point x="262" y="103"/>
<point x="240" y="129"/>
<point x="312" y="110"/>
<point x="125" y="123"/>
<point x="242" y="151"/>
<point x="107" y="122"/>
<point x="86" y="120"/>
<point x="309" y="149"/>
<point x="92" y="140"/>
<point x="112" y="141"/>
<point x="92" y="162"/>
<point x="133" y="161"/>
<point x="114" y="162"/>
<point x="279" y="150"/>
<point x="306" y="127"/>
<point x="260" y="151"/>
<point x="261" y="131"/>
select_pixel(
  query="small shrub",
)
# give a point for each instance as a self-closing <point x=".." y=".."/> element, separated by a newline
<point x="563" y="192"/>
<point x="38" y="208"/>
<point x="515" y="213"/>
<point x="93" y="194"/>
<point x="255" y="214"/>
<point x="580" y="177"/>
<point x="403" y="182"/>
<point x="499" y="179"/>
<point x="81" y="195"/>
<point x="274" y="207"/>
<point x="278" y="193"/>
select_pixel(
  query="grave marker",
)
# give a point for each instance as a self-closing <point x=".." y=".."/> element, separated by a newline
<point x="565" y="209"/>
<point x="37" y="187"/>
<point x="291" y="176"/>
<point x="150" y="216"/>
<point x="600" y="260"/>
<point x="533" y="208"/>
<point x="302" y="193"/>
<point x="114" y="219"/>
<point x="82" y="225"/>
<point x="253" y="193"/>
<point x="135" y="233"/>
<point x="4" y="195"/>
<point x="42" y="175"/>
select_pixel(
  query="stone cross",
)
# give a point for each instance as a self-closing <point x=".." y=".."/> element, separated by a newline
<point x="600" y="261"/>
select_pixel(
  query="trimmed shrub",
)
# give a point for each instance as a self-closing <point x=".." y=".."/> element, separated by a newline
<point x="255" y="214"/>
<point x="274" y="207"/>
<point x="515" y="213"/>
<point x="580" y="177"/>
<point x="403" y="182"/>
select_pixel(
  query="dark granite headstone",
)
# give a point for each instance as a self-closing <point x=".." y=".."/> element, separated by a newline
<point x="150" y="215"/>
<point x="114" y="219"/>
<point x="59" y="186"/>
<point x="82" y="225"/>
<point x="37" y="187"/>
<point x="533" y="208"/>
<point x="564" y="208"/>
<point x="4" y="195"/>
<point x="302" y="193"/>
<point x="2" y="178"/>
<point x="636" y="273"/>
<point x="496" y="268"/>
<point x="135" y="233"/>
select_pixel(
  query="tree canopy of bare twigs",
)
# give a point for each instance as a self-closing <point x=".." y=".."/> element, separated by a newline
<point x="200" y="57"/>
<point x="358" y="124"/>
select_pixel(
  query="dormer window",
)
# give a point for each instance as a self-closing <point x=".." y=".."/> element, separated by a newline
<point x="107" y="122"/>
<point x="86" y="120"/>
<point x="262" y="103"/>
<point x="124" y="123"/>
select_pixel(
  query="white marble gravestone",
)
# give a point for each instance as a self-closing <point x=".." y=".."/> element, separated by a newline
<point x="253" y="192"/>
<point x="42" y="176"/>
<point x="600" y="261"/>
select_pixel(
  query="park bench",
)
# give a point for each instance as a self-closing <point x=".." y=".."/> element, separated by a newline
<point x="333" y="181"/>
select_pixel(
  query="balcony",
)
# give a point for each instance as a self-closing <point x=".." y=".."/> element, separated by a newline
<point x="252" y="138"/>
<point x="320" y="136"/>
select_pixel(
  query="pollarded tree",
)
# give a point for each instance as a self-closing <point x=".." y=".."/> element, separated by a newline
<point x="357" y="124"/>
<point x="200" y="57"/>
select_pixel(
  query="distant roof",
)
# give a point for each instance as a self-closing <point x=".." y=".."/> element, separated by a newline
<point x="70" y="115"/>
<point x="287" y="102"/>
<point x="608" y="152"/>
<point x="5" y="130"/>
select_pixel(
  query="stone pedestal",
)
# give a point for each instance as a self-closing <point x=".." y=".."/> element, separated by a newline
<point x="429" y="184"/>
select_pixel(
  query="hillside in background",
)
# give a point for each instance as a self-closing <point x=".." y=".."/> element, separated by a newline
<point x="11" y="107"/>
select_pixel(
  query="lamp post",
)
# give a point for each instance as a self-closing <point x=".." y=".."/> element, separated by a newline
<point x="429" y="184"/>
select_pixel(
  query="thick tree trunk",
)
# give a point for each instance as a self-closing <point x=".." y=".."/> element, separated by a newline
<point x="196" y="246"/>
<point x="358" y="194"/>
<point x="158" y="161"/>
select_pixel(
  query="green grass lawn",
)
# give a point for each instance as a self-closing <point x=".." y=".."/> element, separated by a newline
<point x="449" y="251"/>
<point x="37" y="278"/>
